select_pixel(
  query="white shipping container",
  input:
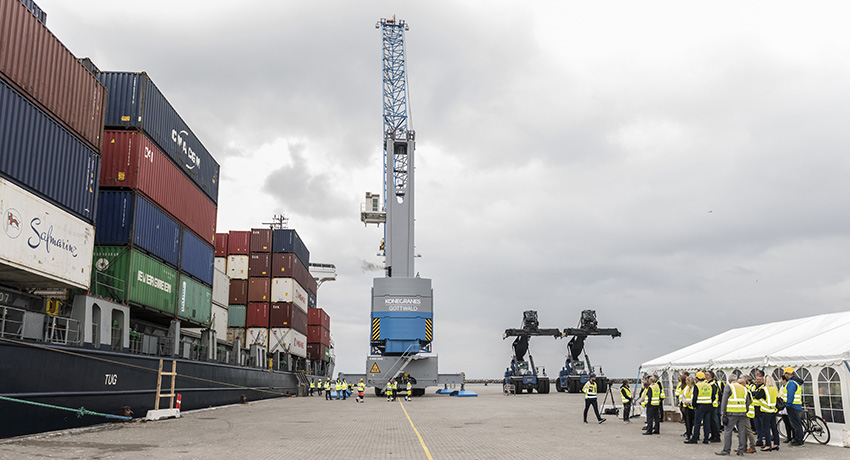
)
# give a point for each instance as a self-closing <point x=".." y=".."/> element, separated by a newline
<point x="258" y="335"/>
<point x="287" y="340"/>
<point x="219" y="321"/>
<point x="220" y="288"/>
<point x="234" y="333"/>
<point x="42" y="246"/>
<point x="220" y="263"/>
<point x="237" y="267"/>
<point x="288" y="290"/>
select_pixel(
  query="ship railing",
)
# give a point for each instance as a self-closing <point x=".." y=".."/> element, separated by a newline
<point x="108" y="286"/>
<point x="117" y="338"/>
<point x="60" y="330"/>
<point x="11" y="322"/>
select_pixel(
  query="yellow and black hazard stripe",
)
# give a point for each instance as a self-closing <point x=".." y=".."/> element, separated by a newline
<point x="429" y="329"/>
<point x="376" y="328"/>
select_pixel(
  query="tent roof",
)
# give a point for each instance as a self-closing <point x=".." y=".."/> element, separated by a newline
<point x="815" y="340"/>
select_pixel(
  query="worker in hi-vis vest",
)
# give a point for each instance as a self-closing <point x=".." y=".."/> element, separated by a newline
<point x="328" y="389"/>
<point x="589" y="391"/>
<point x="361" y="387"/>
<point x="409" y="390"/>
<point x="626" y="397"/>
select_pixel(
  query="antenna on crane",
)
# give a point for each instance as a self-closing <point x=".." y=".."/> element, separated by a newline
<point x="278" y="222"/>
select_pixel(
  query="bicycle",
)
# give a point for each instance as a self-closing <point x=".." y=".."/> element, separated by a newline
<point x="813" y="424"/>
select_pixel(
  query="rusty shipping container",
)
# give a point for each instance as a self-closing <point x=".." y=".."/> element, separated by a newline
<point x="261" y="240"/>
<point x="221" y="245"/>
<point x="131" y="160"/>
<point x="136" y="103"/>
<point x="238" y="242"/>
<point x="259" y="289"/>
<point x="318" y="317"/>
<point x="36" y="63"/>
<point x="238" y="292"/>
<point x="285" y="314"/>
<point x="259" y="265"/>
<point x="257" y="314"/>
<point x="287" y="265"/>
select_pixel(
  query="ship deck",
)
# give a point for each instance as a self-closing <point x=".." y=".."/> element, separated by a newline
<point x="434" y="426"/>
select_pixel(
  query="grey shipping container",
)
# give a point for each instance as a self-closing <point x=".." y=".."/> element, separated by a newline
<point x="45" y="158"/>
<point x="36" y="63"/>
<point x="236" y="316"/>
<point x="127" y="216"/>
<point x="134" y="102"/>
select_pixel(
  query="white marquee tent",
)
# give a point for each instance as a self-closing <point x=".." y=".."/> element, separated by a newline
<point x="817" y="346"/>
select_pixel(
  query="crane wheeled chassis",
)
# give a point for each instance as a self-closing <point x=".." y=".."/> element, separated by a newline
<point x="574" y="374"/>
<point x="523" y="374"/>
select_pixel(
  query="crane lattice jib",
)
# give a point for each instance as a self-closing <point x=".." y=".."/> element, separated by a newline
<point x="396" y="120"/>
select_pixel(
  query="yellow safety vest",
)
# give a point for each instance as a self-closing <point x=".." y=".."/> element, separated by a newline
<point x="687" y="396"/>
<point x="389" y="388"/>
<point x="768" y="404"/>
<point x="678" y="391"/>
<point x="409" y="387"/>
<point x="661" y="390"/>
<point x="704" y="392"/>
<point x="717" y="394"/>
<point x="753" y="388"/>
<point x="751" y="409"/>
<point x="655" y="393"/>
<point x="737" y="403"/>
<point x="625" y="394"/>
<point x="361" y="386"/>
<point x="798" y="395"/>
<point x="589" y="390"/>
<point x="328" y="385"/>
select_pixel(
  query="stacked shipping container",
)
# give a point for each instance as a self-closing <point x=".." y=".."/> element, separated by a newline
<point x="51" y="125"/>
<point x="318" y="335"/>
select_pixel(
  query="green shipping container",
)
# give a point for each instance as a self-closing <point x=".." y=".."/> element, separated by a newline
<point x="327" y="354"/>
<point x="194" y="301"/>
<point x="138" y="279"/>
<point x="236" y="315"/>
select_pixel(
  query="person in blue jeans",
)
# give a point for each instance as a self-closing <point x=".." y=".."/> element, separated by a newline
<point x="794" y="404"/>
<point x="704" y="395"/>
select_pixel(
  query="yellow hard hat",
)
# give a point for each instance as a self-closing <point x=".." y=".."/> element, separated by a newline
<point x="789" y="370"/>
<point x="701" y="375"/>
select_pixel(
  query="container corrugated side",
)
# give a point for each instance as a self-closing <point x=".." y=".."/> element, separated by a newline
<point x="318" y="334"/>
<point x="131" y="160"/>
<point x="316" y="351"/>
<point x="127" y="216"/>
<point x="318" y="317"/>
<point x="287" y="240"/>
<point x="257" y="314"/>
<point x="259" y="265"/>
<point x="36" y="10"/>
<point x="197" y="257"/>
<point x="221" y="264"/>
<point x="41" y="156"/>
<point x="194" y="301"/>
<point x="311" y="300"/>
<point x="288" y="341"/>
<point x="144" y="280"/>
<point x="218" y="321"/>
<point x="238" y="292"/>
<point x="256" y="335"/>
<point x="236" y="315"/>
<point x="288" y="290"/>
<point x="238" y="242"/>
<point x="221" y="288"/>
<point x="285" y="314"/>
<point x="38" y="64"/>
<point x="221" y="244"/>
<point x="312" y="285"/>
<point x="234" y="333"/>
<point x="289" y="266"/>
<point x="237" y="267"/>
<point x="259" y="289"/>
<point x="42" y="246"/>
<point x="261" y="240"/>
<point x="135" y="102"/>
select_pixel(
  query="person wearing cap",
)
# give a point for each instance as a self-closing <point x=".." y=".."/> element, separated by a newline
<point x="328" y="389"/>
<point x="704" y="394"/>
<point x="626" y="397"/>
<point x="794" y="404"/>
<point x="589" y="391"/>
<point x="361" y="387"/>
<point x="733" y="408"/>
<point x="653" y="407"/>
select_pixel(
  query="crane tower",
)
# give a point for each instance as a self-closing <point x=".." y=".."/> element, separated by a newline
<point x="402" y="301"/>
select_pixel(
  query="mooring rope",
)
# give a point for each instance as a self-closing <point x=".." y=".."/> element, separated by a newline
<point x="80" y="412"/>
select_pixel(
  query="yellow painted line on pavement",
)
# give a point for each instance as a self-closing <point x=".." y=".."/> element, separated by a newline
<point x="421" y="442"/>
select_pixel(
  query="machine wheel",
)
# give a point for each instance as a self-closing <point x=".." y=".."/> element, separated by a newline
<point x="418" y="392"/>
<point x="558" y="386"/>
<point x="519" y="389"/>
<point x="378" y="392"/>
<point x="543" y="388"/>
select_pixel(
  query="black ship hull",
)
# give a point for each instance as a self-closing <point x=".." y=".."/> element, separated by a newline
<point x="105" y="381"/>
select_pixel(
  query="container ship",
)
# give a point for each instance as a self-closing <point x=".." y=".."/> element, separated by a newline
<point x="112" y="274"/>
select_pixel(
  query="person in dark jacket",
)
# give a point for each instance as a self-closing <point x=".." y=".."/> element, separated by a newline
<point x="794" y="404"/>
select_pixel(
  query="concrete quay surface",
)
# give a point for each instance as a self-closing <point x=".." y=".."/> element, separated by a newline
<point x="491" y="426"/>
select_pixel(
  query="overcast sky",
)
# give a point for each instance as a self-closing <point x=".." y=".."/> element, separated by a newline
<point x="680" y="167"/>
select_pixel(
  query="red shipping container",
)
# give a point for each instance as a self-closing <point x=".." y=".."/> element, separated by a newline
<point x="237" y="242"/>
<point x="318" y="334"/>
<point x="312" y="285"/>
<point x="285" y="314"/>
<point x="221" y="244"/>
<point x="34" y="61"/>
<point x="259" y="289"/>
<point x="287" y="265"/>
<point x="319" y="317"/>
<point x="257" y="314"/>
<point x="316" y="351"/>
<point x="261" y="240"/>
<point x="259" y="265"/>
<point x="131" y="160"/>
<point x="238" y="292"/>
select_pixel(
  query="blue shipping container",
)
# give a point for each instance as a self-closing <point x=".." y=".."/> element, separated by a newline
<point x="287" y="240"/>
<point x="133" y="101"/>
<point x="38" y="12"/>
<point x="311" y="300"/>
<point x="45" y="158"/>
<point x="127" y="216"/>
<point x="197" y="258"/>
